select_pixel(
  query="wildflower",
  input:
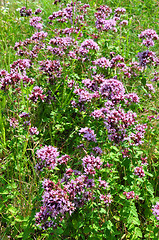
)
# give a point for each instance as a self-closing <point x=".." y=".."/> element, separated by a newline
<point x="129" y="195"/>
<point x="106" y="199"/>
<point x="131" y="98"/>
<point x="48" y="157"/>
<point x="37" y="11"/>
<point x="103" y="183"/>
<point x="33" y="131"/>
<point x="98" y="150"/>
<point x="124" y="23"/>
<point x="89" y="44"/>
<point x="149" y="34"/>
<point x="102" y="62"/>
<point x="155" y="210"/>
<point x="63" y="159"/>
<point x="90" y="163"/>
<point x="36" y="93"/>
<point x="88" y="134"/>
<point x="112" y="89"/>
<point x="150" y="87"/>
<point x="138" y="171"/>
<point x="13" y="122"/>
<point x="120" y="10"/>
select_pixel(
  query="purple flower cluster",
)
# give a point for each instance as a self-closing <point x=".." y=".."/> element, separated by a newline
<point x="16" y="75"/>
<point x="137" y="137"/>
<point x="37" y="11"/>
<point x="38" y="36"/>
<point x="138" y="171"/>
<point x="87" y="45"/>
<point x="35" y="22"/>
<point x="24" y="115"/>
<point x="103" y="183"/>
<point x="148" y="36"/>
<point x="67" y="14"/>
<point x="112" y="89"/>
<point x="124" y="23"/>
<point x="150" y="87"/>
<point x="88" y="134"/>
<point x="13" y="122"/>
<point x="90" y="163"/>
<point x="20" y="65"/>
<point x="119" y="11"/>
<point x="129" y="195"/>
<point x="51" y="68"/>
<point x="48" y="157"/>
<point x="58" y="199"/>
<point x="63" y="159"/>
<point x="106" y="199"/>
<point x="56" y="51"/>
<point x="155" y="210"/>
<point x="25" y="12"/>
<point x="33" y="131"/>
<point x="36" y="93"/>
<point x="102" y="62"/>
<point x="147" y="57"/>
<point x="84" y="95"/>
<point x="79" y="189"/>
<point x="117" y="122"/>
<point x="98" y="150"/>
<point x="131" y="70"/>
<point x="156" y="77"/>
<point x="55" y="204"/>
<point x="62" y="42"/>
<point x="90" y="84"/>
<point x="131" y="98"/>
<point x="97" y="114"/>
<point x="101" y="23"/>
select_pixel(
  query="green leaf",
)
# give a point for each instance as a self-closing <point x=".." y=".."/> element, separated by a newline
<point x="138" y="232"/>
<point x="150" y="189"/>
<point x="117" y="218"/>
<point x="87" y="230"/>
<point x="102" y="210"/>
<point x="12" y="209"/>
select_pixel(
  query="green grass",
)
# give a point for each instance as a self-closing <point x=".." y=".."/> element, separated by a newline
<point x="20" y="187"/>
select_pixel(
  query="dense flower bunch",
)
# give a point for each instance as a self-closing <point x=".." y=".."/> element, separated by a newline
<point x="155" y="210"/>
<point x="112" y="89"/>
<point x="36" y="93"/>
<point x="33" y="131"/>
<point x="25" y="12"/>
<point x="17" y="74"/>
<point x="71" y="71"/>
<point x="137" y="137"/>
<point x="117" y="122"/>
<point x="47" y="157"/>
<point x="55" y="203"/>
<point x="129" y="195"/>
<point x="97" y="150"/>
<point x="59" y="199"/>
<point x="63" y="42"/>
<point x="138" y="171"/>
<point x="88" y="134"/>
<point x="90" y="163"/>
<point x="148" y="36"/>
<point x="102" y="62"/>
<point x="103" y="183"/>
<point x="106" y="199"/>
<point x="87" y="45"/>
<point x="51" y="68"/>
<point x="35" y="22"/>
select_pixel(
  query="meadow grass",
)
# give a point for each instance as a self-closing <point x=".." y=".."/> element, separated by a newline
<point x="59" y="125"/>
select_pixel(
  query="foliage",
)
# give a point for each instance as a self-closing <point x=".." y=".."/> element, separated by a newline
<point x="79" y="120"/>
